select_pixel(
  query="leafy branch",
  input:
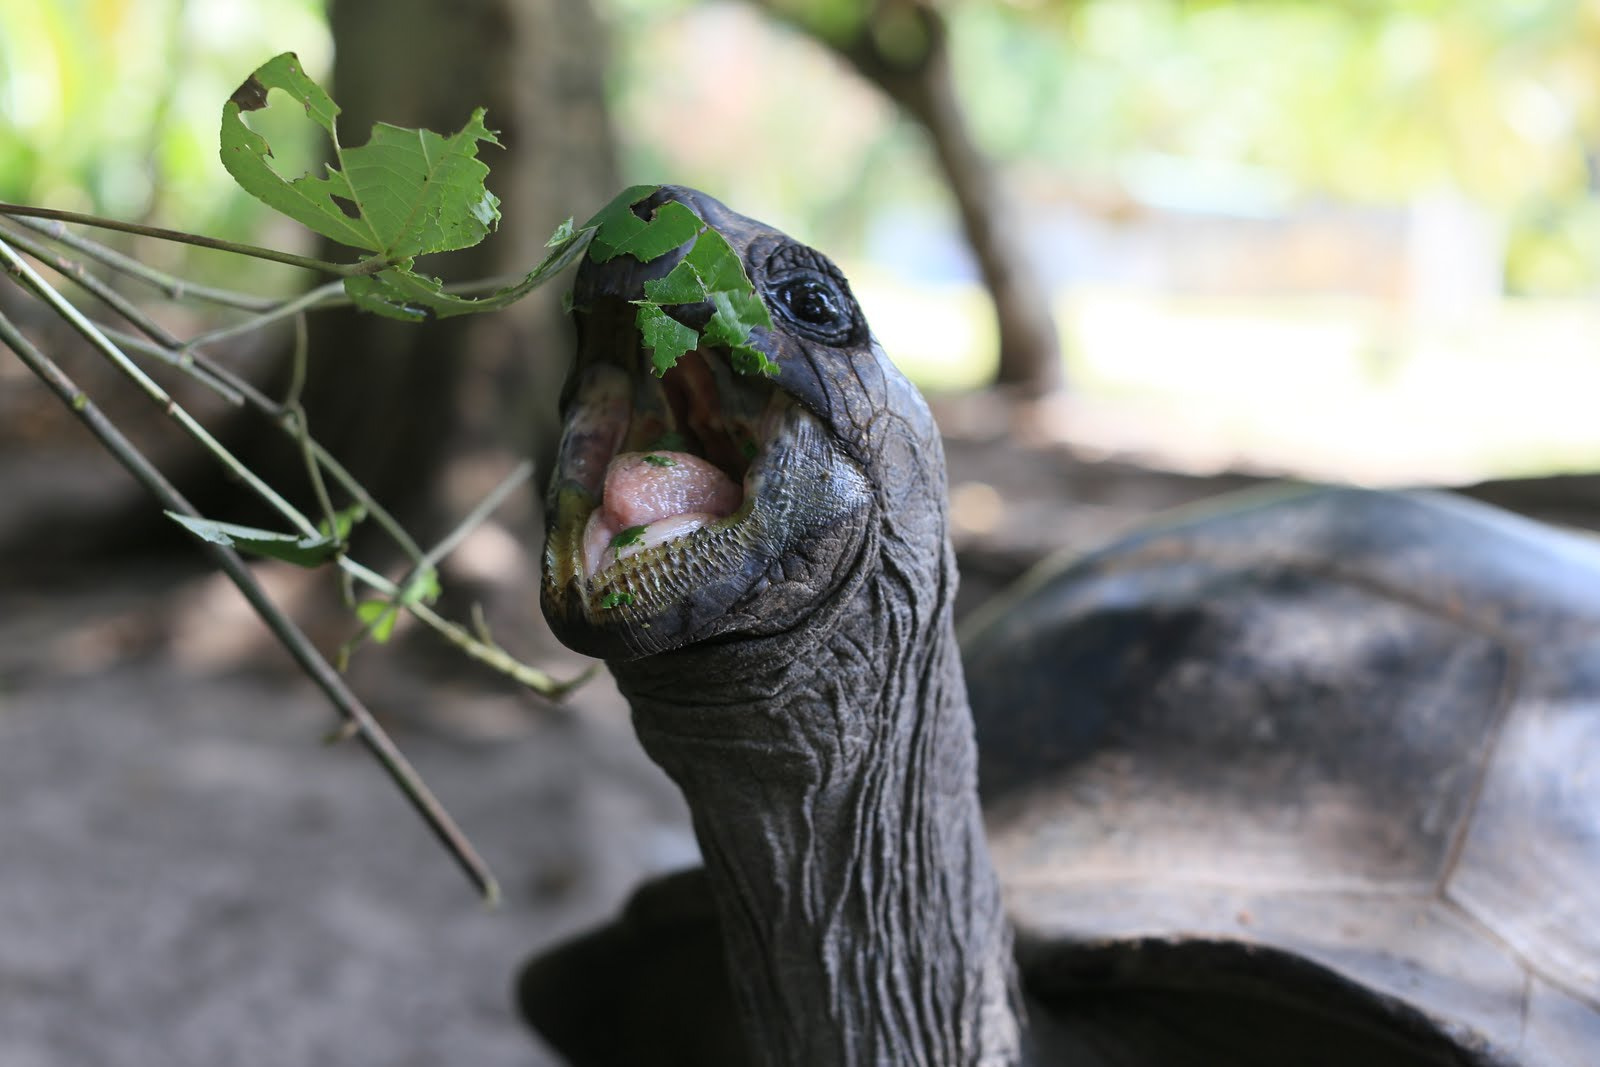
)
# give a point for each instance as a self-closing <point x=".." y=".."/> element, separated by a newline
<point x="404" y="194"/>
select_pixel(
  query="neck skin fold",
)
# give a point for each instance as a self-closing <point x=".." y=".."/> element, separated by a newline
<point x="832" y="780"/>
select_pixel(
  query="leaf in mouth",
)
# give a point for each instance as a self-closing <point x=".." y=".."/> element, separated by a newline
<point x="633" y="535"/>
<point x="616" y="600"/>
<point x="660" y="461"/>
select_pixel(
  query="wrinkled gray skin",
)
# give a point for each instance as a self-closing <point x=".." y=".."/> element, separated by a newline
<point x="1308" y="780"/>
<point x="810" y="704"/>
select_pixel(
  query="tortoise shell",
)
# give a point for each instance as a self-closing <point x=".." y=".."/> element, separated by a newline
<point x="1331" y="740"/>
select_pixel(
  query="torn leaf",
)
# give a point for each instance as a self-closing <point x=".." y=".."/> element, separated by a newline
<point x="404" y="193"/>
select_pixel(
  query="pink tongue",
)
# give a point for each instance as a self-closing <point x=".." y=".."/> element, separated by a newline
<point x="642" y="489"/>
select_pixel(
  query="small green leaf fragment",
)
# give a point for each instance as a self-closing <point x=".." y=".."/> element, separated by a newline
<point x="666" y="337"/>
<point x="750" y="449"/>
<point x="616" y="600"/>
<point x="711" y="272"/>
<point x="422" y="588"/>
<point x="291" y="548"/>
<point x="748" y="359"/>
<point x="633" y="535"/>
<point x="564" y="233"/>
<point x="379" y="616"/>
<point x="344" y="521"/>
<point x="660" y="461"/>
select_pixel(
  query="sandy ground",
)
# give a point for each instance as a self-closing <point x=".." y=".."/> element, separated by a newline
<point x="192" y="878"/>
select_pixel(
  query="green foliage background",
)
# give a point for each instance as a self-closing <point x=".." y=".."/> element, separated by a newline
<point x="109" y="105"/>
<point x="1281" y="107"/>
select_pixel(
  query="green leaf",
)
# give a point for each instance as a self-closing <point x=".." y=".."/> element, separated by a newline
<point x="423" y="587"/>
<point x="343" y="522"/>
<point x="666" y="337"/>
<point x="710" y="272"/>
<point x="619" y="231"/>
<point x="404" y="193"/>
<point x="379" y="616"/>
<point x="616" y="600"/>
<point x="291" y="548"/>
<point x="633" y="535"/>
<point x="403" y="294"/>
<point x="660" y="461"/>
<point x="563" y="234"/>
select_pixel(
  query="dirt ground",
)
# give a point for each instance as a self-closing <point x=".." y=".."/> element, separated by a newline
<point x="192" y="878"/>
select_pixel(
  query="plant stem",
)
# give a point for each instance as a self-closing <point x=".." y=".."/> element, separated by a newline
<point x="287" y="309"/>
<point x="174" y="287"/>
<point x="37" y="285"/>
<point x="293" y="639"/>
<point x="167" y="346"/>
<point x="365" y="266"/>
<point x="486" y="652"/>
<point x="485" y="507"/>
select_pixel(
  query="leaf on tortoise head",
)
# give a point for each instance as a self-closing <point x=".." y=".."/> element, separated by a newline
<point x="404" y="193"/>
<point x="618" y="231"/>
<point x="665" y="337"/>
<point x="711" y="272"/>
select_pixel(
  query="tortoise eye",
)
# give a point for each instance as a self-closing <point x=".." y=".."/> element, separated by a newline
<point x="810" y="301"/>
<point x="815" y="306"/>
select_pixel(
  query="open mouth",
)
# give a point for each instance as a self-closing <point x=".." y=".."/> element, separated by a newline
<point x="658" y="481"/>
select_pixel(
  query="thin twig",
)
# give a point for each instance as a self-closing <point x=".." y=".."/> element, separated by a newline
<point x="322" y="296"/>
<point x="284" y="419"/>
<point x="299" y="428"/>
<point x="483" y="651"/>
<point x="371" y="265"/>
<point x="485" y="507"/>
<point x="232" y="387"/>
<point x="166" y="347"/>
<point x="174" y="287"/>
<point x="39" y="287"/>
<point x="293" y="639"/>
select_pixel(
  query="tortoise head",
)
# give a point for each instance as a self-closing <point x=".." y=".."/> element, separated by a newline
<point x="710" y="503"/>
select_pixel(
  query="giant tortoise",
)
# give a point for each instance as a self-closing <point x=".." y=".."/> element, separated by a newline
<point x="1310" y="779"/>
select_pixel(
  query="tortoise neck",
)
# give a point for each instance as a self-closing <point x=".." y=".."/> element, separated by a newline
<point x="834" y="796"/>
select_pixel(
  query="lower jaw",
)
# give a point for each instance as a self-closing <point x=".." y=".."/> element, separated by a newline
<point x="651" y="601"/>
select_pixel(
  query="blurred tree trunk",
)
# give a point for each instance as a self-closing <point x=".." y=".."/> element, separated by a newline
<point x="902" y="47"/>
